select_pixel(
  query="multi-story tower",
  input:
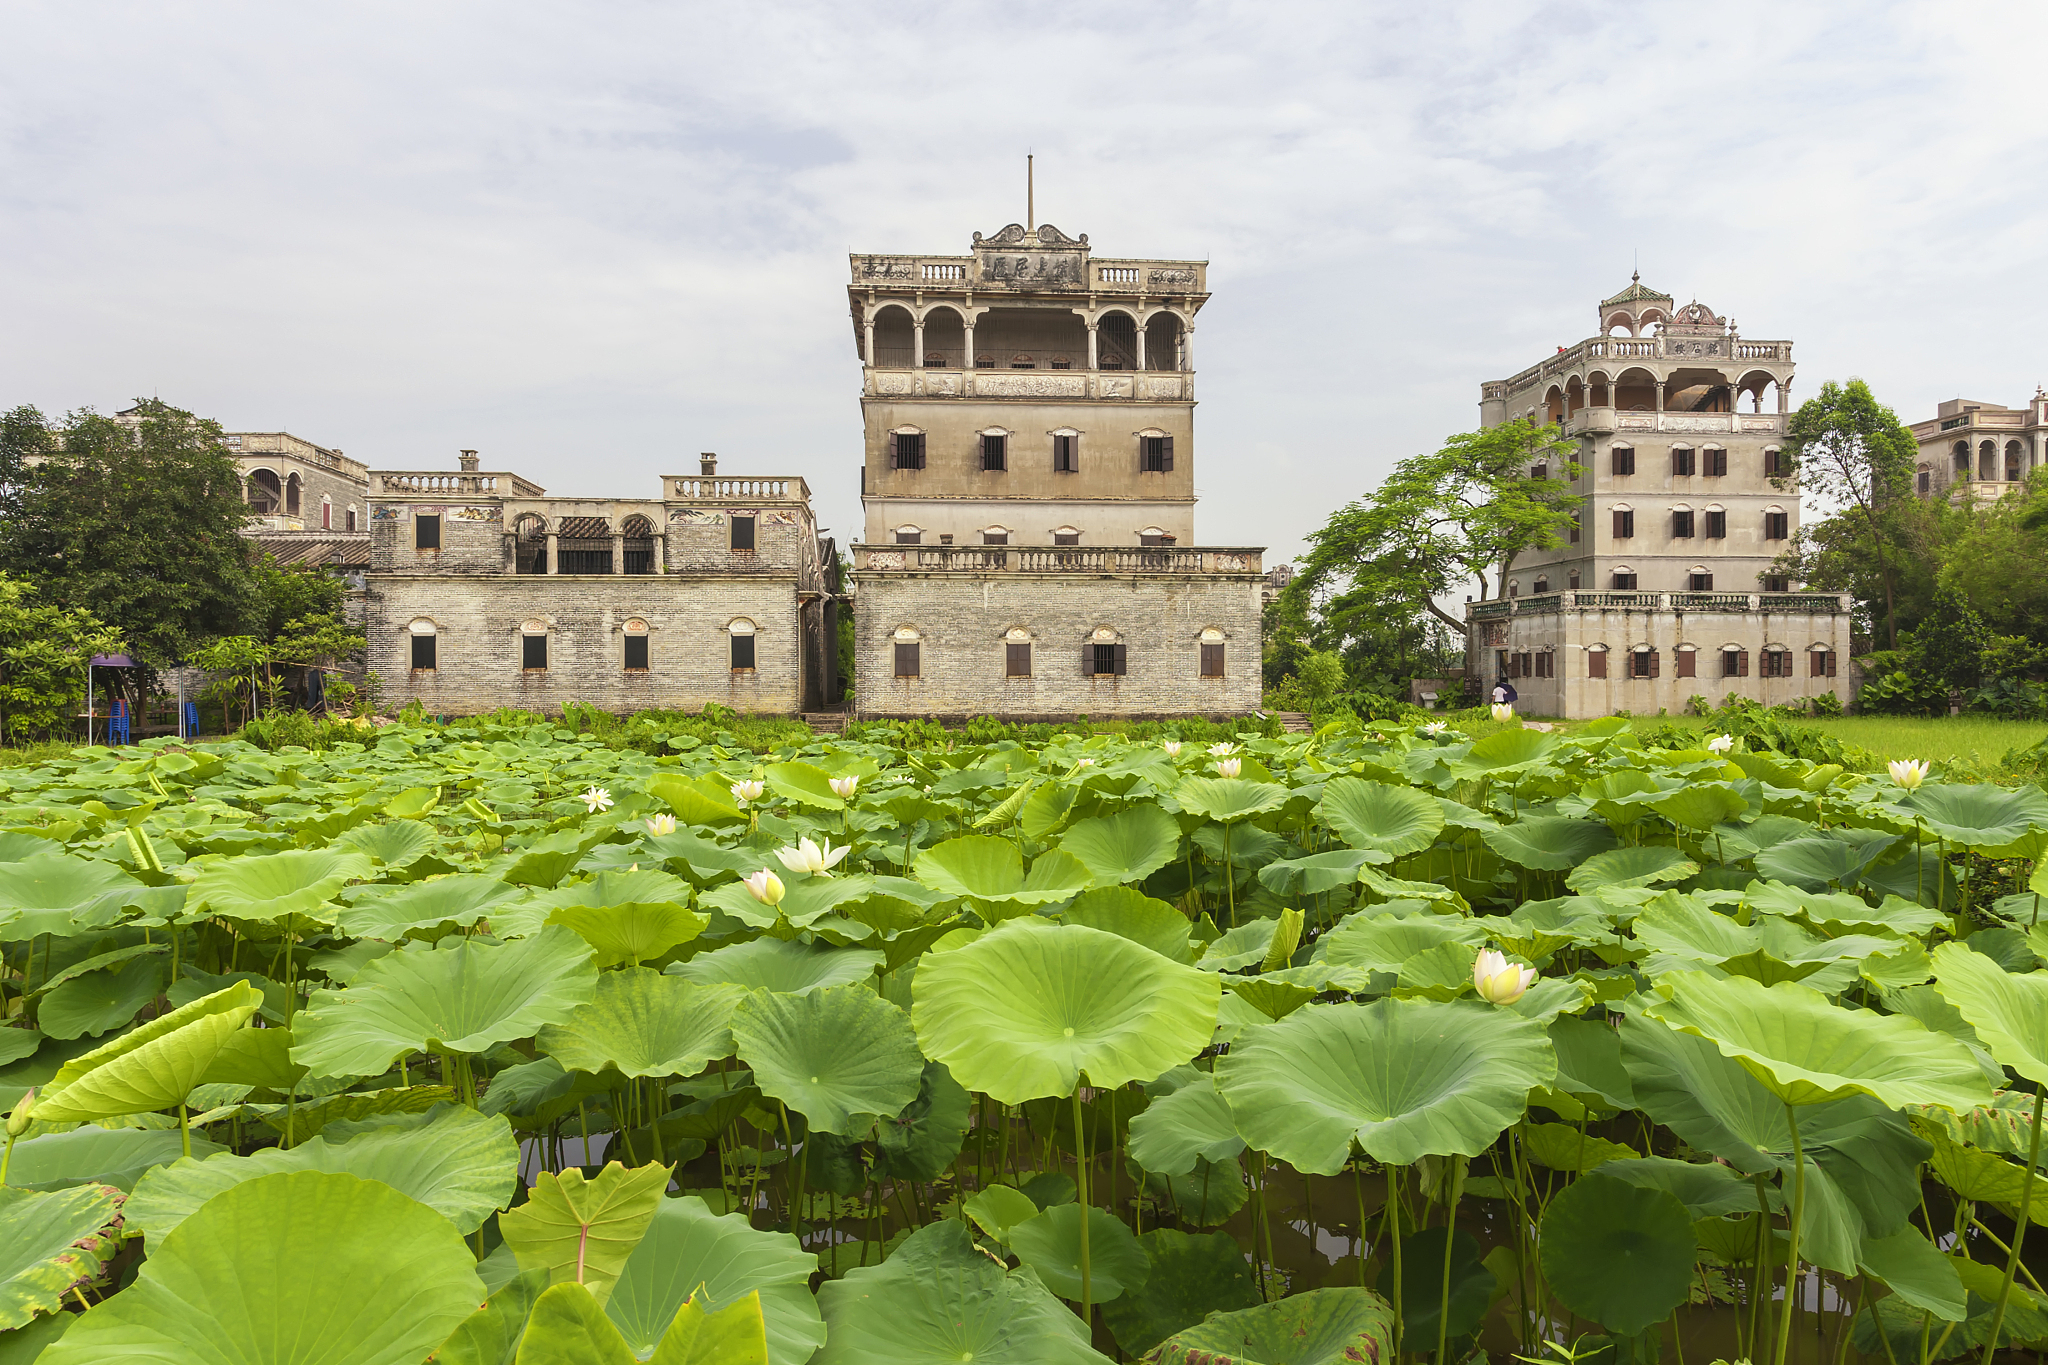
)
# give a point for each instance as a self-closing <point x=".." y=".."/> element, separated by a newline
<point x="1665" y="586"/>
<point x="1029" y="488"/>
<point x="1980" y="450"/>
<point x="1027" y="394"/>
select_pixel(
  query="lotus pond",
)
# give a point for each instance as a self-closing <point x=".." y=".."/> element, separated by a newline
<point x="487" y="1044"/>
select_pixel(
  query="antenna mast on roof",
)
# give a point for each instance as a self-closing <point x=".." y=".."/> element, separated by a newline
<point x="1030" y="201"/>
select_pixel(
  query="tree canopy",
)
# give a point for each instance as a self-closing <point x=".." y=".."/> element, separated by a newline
<point x="1844" y="447"/>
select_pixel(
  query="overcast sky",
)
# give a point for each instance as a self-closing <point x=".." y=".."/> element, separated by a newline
<point x="593" y="239"/>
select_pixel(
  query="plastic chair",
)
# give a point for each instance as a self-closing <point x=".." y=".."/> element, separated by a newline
<point x="117" y="722"/>
<point x="191" y="721"/>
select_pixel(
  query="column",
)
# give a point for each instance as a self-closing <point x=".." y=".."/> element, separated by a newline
<point x="917" y="344"/>
<point x="1784" y="396"/>
<point x="1141" y="348"/>
<point x="1660" y="395"/>
<point x="554" y="552"/>
<point x="868" y="353"/>
<point x="967" y="361"/>
<point x="660" y="550"/>
<point x="1187" y="347"/>
<point x="1092" y="357"/>
<point x="618" y="554"/>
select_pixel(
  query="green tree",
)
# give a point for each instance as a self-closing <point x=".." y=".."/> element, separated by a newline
<point x="1999" y="561"/>
<point x="134" y="519"/>
<point x="1462" y="514"/>
<point x="44" y="651"/>
<point x="1845" y="448"/>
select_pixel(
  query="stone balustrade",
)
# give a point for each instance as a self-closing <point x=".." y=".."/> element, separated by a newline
<point x="1059" y="559"/>
<point x="721" y="488"/>
<point x="440" y="484"/>
<point x="1773" y="603"/>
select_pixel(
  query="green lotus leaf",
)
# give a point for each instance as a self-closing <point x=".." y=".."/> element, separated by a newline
<point x="1403" y="1079"/>
<point x="922" y="1141"/>
<point x="1228" y="799"/>
<point x="1700" y="805"/>
<point x="1192" y="1124"/>
<point x="1814" y="864"/>
<point x="1190" y="1276"/>
<point x="938" y="1301"/>
<point x="719" y="1258"/>
<point x="1551" y="843"/>
<point x="17" y="1043"/>
<point x="704" y="801"/>
<point x="839" y="1056"/>
<point x="1380" y="817"/>
<point x="152" y="1067"/>
<point x="468" y="998"/>
<point x="395" y="843"/>
<point x="459" y="1163"/>
<point x="389" y="912"/>
<point x="984" y="868"/>
<point x="1205" y="1197"/>
<point x="491" y="1335"/>
<point x="1639" y="865"/>
<point x="630" y="933"/>
<point x="2008" y="1010"/>
<point x="805" y="784"/>
<point x="585" y="1229"/>
<point x="1517" y="748"/>
<point x="1536" y="929"/>
<point x="1051" y="1245"/>
<point x="566" y="1325"/>
<point x="1240" y="946"/>
<point x="55" y="893"/>
<point x="1126" y="847"/>
<point x="272" y="886"/>
<point x="1024" y="1011"/>
<point x="258" y="1057"/>
<point x="92" y="1155"/>
<point x="1707" y="1189"/>
<point x="1589" y="1063"/>
<point x="99" y="962"/>
<point x="1805" y="1049"/>
<point x="89" y="1005"/>
<point x="1320" y="1327"/>
<point x="641" y="1023"/>
<point x="1382" y="943"/>
<point x="299" y="1268"/>
<point x="50" y="1240"/>
<point x="1565" y="1148"/>
<point x="1318" y="872"/>
<point x="1978" y="817"/>
<point x="25" y="1344"/>
<point x="1617" y="1253"/>
<point x="1129" y="913"/>
<point x="999" y="1208"/>
<point x="1422" y="1284"/>
<point x="773" y="964"/>
<point x="807" y="899"/>
<point x="1916" y="1272"/>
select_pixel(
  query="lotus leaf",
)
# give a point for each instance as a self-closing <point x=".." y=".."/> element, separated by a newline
<point x="1228" y="799"/>
<point x="2008" y="1011"/>
<point x="1404" y="1079"/>
<point x="1130" y="913"/>
<point x="17" y="1043"/>
<point x="699" y="802"/>
<point x="641" y="1023"/>
<point x="999" y="1208"/>
<point x="1565" y="1148"/>
<point x="919" y="1143"/>
<point x="462" y="999"/>
<point x="1816" y="863"/>
<point x="1382" y="943"/>
<point x="1379" y="817"/>
<point x="1551" y="843"/>
<point x="1318" y="872"/>
<point x="459" y="1163"/>
<point x="1707" y="1189"/>
<point x="50" y="1240"/>
<point x="1126" y="847"/>
<point x="90" y="1005"/>
<point x="299" y="1268"/>
<point x="96" y="1156"/>
<point x="1189" y="1276"/>
<point x="390" y="912"/>
<point x="1700" y="805"/>
<point x="839" y="1055"/>
<point x="983" y="868"/>
<point x="806" y="784"/>
<point x="273" y="886"/>
<point x="1241" y="946"/>
<point x="1617" y="1253"/>
<point x="1639" y="865"/>
<point x="1916" y="1272"/>
<point x="773" y="964"/>
<point x="1320" y="1327"/>
<point x="1193" y="1123"/>
<point x="630" y="933"/>
<point x="53" y="892"/>
<point x="1051" y="1245"/>
<point x="690" y="1251"/>
<point x="151" y="1067"/>
<point x="583" y="1230"/>
<point x="395" y="843"/>
<point x="1023" y="1013"/>
<point x="1983" y="818"/>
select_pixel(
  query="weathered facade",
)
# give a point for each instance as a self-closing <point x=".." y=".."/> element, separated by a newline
<point x="1664" y="587"/>
<point x="1980" y="450"/>
<point x="483" y="592"/>
<point x="1028" y="486"/>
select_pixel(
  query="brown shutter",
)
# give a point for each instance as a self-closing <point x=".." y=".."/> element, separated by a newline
<point x="1741" y="663"/>
<point x="1120" y="654"/>
<point x="1166" y="464"/>
<point x="1656" y="663"/>
<point x="1596" y="663"/>
<point x="1088" y="659"/>
<point x="1618" y="532"/>
<point x="1831" y="663"/>
<point x="1688" y="664"/>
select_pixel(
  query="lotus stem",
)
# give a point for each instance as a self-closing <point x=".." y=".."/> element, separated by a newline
<point x="1792" y="1251"/>
<point x="184" y="1132"/>
<point x="1394" y="1213"/>
<point x="1443" y="1311"/>
<point x="1358" y="1190"/>
<point x="6" y="1158"/>
<point x="2019" y="1233"/>
<point x="1081" y="1195"/>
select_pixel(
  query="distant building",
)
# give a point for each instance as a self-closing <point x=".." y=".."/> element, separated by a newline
<point x="1980" y="449"/>
<point x="308" y="504"/>
<point x="1664" y="585"/>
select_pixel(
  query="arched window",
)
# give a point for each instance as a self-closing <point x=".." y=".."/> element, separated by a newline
<point x="265" y="494"/>
<point x="1066" y="535"/>
<point x="995" y="535"/>
<point x="1624" y="457"/>
<point x="1716" y="519"/>
<point x="1714" y="461"/>
<point x="1962" y="458"/>
<point x="530" y="545"/>
<point x="1820" y="661"/>
<point x="1682" y="521"/>
<point x="1624" y="578"/>
<point x="639" y="544"/>
<point x="740" y="632"/>
<point x="1624" y="521"/>
<point x="909" y="535"/>
<point x="909" y="647"/>
<point x="533" y="646"/>
<point x="291" y="496"/>
<point x="1017" y="652"/>
<point x="1682" y="462"/>
<point x="425" y="636"/>
<point x="1213" y="643"/>
<point x="351" y="516"/>
<point x="1777" y="523"/>
<point x="1103" y="653"/>
<point x="1153" y="535"/>
<point x="635" y="636"/>
<point x="1542" y="585"/>
<point x="1699" y="578"/>
<point x="1514" y="587"/>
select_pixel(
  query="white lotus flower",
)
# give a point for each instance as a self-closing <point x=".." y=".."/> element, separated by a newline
<point x="1229" y="767"/>
<point x="807" y="857"/>
<point x="1503" y="710"/>
<point x="765" y="887"/>
<point x="1084" y="762"/>
<point x="597" y="798"/>
<point x="842" y="787"/>
<point x="1908" y="772"/>
<point x="1172" y="747"/>
<point x="1435" y="727"/>
<point x="1497" y="980"/>
<point x="1222" y="750"/>
<point x="662" y="824"/>
<point x="744" y="792"/>
<point x="1720" y="744"/>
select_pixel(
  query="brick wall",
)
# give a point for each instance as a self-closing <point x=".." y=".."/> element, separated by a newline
<point x="963" y="621"/>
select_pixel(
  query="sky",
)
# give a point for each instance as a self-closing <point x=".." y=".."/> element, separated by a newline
<point x="593" y="239"/>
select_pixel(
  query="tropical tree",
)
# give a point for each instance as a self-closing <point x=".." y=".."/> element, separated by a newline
<point x="44" y="651"/>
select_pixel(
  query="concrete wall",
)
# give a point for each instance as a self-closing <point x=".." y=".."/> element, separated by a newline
<point x="964" y="619"/>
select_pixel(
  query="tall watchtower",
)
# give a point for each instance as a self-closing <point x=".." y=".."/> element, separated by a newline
<point x="1028" y="393"/>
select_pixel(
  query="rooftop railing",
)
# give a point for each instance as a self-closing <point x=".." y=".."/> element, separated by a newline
<point x="719" y="488"/>
<point x="439" y="484"/>
<point x="1058" y="559"/>
<point x="1725" y="347"/>
<point x="1774" y="603"/>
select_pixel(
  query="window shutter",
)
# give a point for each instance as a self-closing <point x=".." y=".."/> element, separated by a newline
<point x="1656" y="663"/>
<point x="1717" y="462"/>
<point x="636" y="651"/>
<point x="906" y="660"/>
<point x="1088" y="660"/>
<point x="1741" y="663"/>
<point x="426" y="533"/>
<point x="1596" y="663"/>
<point x="1687" y="661"/>
<point x="1212" y="661"/>
<point x="917" y="450"/>
<point x="1120" y="659"/>
<point x="1017" y="661"/>
<point x="1618" y="531"/>
<point x="1831" y="663"/>
<point x="1166" y="454"/>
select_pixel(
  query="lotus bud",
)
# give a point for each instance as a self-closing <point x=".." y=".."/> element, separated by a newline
<point x="1720" y="744"/>
<point x="1172" y="747"/>
<point x="765" y="887"/>
<point x="597" y="799"/>
<point x="744" y="792"/>
<point x="662" y="824"/>
<point x="1503" y="710"/>
<point x="23" y="1115"/>
<point x="810" y="859"/>
<point x="1908" y="772"/>
<point x="1229" y="767"/>
<point x="1499" y="981"/>
<point x="842" y="787"/>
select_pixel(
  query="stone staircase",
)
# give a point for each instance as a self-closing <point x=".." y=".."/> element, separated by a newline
<point x="826" y="722"/>
<point x="1294" y="722"/>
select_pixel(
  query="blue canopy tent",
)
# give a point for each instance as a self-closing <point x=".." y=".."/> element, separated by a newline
<point x="116" y="723"/>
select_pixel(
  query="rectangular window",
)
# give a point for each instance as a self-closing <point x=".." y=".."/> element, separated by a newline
<point x="1066" y="537"/>
<point x="1546" y="664"/>
<point x="1774" y="464"/>
<point x="995" y="452"/>
<point x="1642" y="663"/>
<point x="1017" y="660"/>
<point x="1716" y="464"/>
<point x="1777" y="525"/>
<point x="1624" y="523"/>
<point x="1681" y="460"/>
<point x="1681" y="525"/>
<point x="906" y="660"/>
<point x="1624" y="582"/>
<point x="910" y="537"/>
<point x="1926" y="481"/>
<point x="1775" y="583"/>
<point x="1823" y="663"/>
<point x="742" y="651"/>
<point x="1700" y="582"/>
<point x="1539" y="472"/>
<point x="1685" y="663"/>
<point x="1596" y="663"/>
<point x="533" y="651"/>
<point x="1065" y="458"/>
<point x="995" y="537"/>
<point x="1777" y="663"/>
<point x="1212" y="661"/>
<point x="423" y="652"/>
<point x="909" y="449"/>
<point x="1577" y="517"/>
<point x="426" y="533"/>
<point x="636" y="653"/>
<point x="1155" y="454"/>
<point x="1732" y="663"/>
<point x="742" y="533"/>
<point x="351" y="518"/>
<point x="1104" y="660"/>
<point x="1717" y="525"/>
<point x="1624" y="460"/>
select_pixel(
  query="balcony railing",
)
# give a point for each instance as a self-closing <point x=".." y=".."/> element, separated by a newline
<point x="1780" y="603"/>
<point x="1060" y="559"/>
<point x="1726" y="347"/>
<point x="436" y="484"/>
<point x="717" y="488"/>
